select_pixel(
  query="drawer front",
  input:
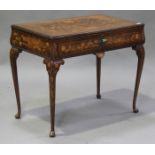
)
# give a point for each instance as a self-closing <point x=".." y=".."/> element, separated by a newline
<point x="31" y="43"/>
<point x="79" y="46"/>
<point x="100" y="42"/>
<point x="124" y="38"/>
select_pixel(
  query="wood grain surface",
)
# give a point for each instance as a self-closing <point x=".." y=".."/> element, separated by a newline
<point x="76" y="25"/>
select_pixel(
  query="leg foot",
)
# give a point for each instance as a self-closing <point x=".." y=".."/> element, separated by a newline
<point x="52" y="134"/>
<point x="135" y="111"/>
<point x="17" y="116"/>
<point x="98" y="96"/>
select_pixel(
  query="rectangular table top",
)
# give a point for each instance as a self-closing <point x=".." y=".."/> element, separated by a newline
<point x="73" y="26"/>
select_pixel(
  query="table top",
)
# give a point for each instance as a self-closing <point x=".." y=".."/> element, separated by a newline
<point x="73" y="26"/>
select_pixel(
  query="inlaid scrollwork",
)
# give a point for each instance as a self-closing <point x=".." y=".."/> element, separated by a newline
<point x="123" y="39"/>
<point x="31" y="43"/>
<point x="75" y="46"/>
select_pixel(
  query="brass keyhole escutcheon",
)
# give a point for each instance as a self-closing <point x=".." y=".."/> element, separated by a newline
<point x="103" y="40"/>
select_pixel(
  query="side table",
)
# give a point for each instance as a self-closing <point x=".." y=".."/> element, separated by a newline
<point x="59" y="39"/>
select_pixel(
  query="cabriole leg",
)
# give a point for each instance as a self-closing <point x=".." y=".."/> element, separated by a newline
<point x="141" y="55"/>
<point x="14" y="53"/>
<point x="52" y="69"/>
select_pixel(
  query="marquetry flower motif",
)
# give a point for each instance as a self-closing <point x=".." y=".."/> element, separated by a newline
<point x="79" y="45"/>
<point x="29" y="42"/>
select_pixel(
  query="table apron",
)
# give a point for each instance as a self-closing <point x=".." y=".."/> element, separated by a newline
<point x="55" y="49"/>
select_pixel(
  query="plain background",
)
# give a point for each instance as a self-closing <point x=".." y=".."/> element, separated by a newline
<point x="80" y="118"/>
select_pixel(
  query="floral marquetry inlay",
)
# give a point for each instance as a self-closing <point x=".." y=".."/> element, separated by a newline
<point x="74" y="46"/>
<point x="77" y="25"/>
<point x="124" y="39"/>
<point x="31" y="43"/>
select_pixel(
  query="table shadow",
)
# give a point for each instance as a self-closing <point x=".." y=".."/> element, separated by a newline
<point x="88" y="113"/>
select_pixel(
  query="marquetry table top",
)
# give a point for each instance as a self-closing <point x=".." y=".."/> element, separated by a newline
<point x="73" y="26"/>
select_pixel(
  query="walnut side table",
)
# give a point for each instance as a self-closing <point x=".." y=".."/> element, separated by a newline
<point x="59" y="39"/>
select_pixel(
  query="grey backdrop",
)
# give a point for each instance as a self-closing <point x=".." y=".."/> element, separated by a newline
<point x="80" y="118"/>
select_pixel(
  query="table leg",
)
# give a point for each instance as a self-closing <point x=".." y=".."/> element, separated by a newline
<point x="99" y="56"/>
<point x="141" y="55"/>
<point x="52" y="69"/>
<point x="14" y="53"/>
